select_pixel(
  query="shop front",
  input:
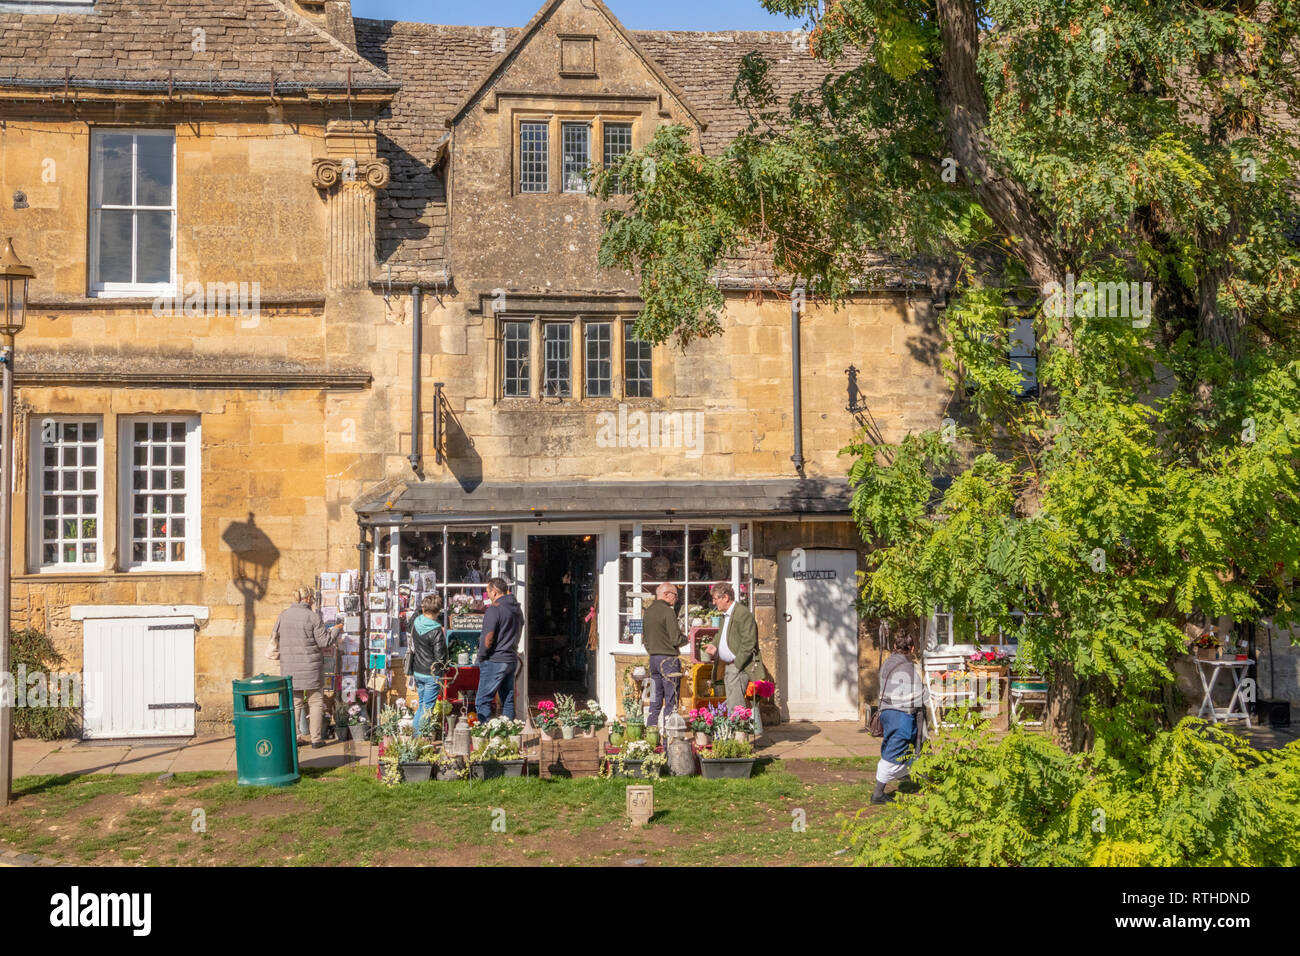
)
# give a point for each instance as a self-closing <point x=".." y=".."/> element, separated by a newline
<point x="582" y="576"/>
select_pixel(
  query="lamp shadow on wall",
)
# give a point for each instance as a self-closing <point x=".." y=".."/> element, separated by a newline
<point x="252" y="555"/>
<point x="458" y="451"/>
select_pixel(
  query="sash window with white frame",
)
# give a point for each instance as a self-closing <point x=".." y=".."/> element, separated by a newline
<point x="160" y="490"/>
<point x="67" y="461"/>
<point x="132" y="212"/>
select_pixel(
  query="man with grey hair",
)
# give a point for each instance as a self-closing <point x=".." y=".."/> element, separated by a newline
<point x="662" y="638"/>
<point x="737" y="647"/>
<point x="302" y="639"/>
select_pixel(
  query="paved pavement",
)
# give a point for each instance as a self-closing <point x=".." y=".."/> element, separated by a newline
<point x="802" y="740"/>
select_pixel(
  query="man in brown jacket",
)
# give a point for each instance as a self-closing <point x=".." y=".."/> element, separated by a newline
<point x="302" y="638"/>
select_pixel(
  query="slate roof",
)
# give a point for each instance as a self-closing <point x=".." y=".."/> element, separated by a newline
<point x="398" y="501"/>
<point x="131" y="45"/>
<point x="438" y="66"/>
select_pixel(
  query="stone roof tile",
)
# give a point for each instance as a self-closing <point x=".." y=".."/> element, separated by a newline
<point x="132" y="44"/>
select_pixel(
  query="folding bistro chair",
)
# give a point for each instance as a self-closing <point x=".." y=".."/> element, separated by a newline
<point x="942" y="695"/>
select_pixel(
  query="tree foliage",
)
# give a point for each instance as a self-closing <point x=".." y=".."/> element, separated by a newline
<point x="1198" y="796"/>
<point x="1151" y="477"/>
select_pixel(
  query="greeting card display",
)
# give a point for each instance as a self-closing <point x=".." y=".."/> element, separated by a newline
<point x="383" y="580"/>
<point x="352" y="623"/>
<point x="350" y="603"/>
<point x="377" y="601"/>
<point x="329" y="581"/>
<point x="379" y="621"/>
<point x="329" y="615"/>
<point x="378" y="662"/>
<point x="349" y="687"/>
<point x="329" y="598"/>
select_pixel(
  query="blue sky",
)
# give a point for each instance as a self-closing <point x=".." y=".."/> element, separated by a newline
<point x="635" y="14"/>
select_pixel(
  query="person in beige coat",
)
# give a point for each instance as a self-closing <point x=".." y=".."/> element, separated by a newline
<point x="302" y="640"/>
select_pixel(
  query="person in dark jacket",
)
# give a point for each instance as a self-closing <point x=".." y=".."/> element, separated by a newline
<point x="498" y="650"/>
<point x="302" y="638"/>
<point x="429" y="643"/>
<point x="662" y="637"/>
<point x="902" y="714"/>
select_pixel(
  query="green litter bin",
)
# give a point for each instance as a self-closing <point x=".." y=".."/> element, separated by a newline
<point x="266" y="744"/>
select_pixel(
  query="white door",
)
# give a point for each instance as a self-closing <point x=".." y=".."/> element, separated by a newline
<point x="138" y="677"/>
<point x="815" y="606"/>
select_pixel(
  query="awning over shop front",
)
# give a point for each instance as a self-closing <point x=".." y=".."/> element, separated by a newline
<point x="400" y="502"/>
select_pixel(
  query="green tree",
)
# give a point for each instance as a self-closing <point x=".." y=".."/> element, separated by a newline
<point x="1039" y="145"/>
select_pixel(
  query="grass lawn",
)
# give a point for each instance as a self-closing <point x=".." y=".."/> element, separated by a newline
<point x="346" y="817"/>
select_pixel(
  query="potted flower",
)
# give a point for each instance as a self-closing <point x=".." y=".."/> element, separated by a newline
<point x="547" y="720"/>
<point x="696" y="614"/>
<point x="358" y="726"/>
<point x="406" y="760"/>
<point x="652" y="735"/>
<point x="497" y="758"/>
<point x="741" y="722"/>
<point x="700" y="721"/>
<point x="727" y="760"/>
<point x="566" y="715"/>
<point x="591" y="719"/>
<point x="993" y="663"/>
<point x="616" y="730"/>
<point x="480" y="733"/>
<point x="637" y="759"/>
<point x="1206" y="647"/>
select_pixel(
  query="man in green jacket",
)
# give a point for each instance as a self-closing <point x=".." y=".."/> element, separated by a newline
<point x="662" y="637"/>
<point x="737" y="646"/>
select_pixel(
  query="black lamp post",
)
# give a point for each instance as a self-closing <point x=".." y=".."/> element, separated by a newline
<point x="14" y="277"/>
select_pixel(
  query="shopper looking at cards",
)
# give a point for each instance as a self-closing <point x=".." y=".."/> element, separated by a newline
<point x="497" y="646"/>
<point x="302" y="638"/>
<point x="429" y="656"/>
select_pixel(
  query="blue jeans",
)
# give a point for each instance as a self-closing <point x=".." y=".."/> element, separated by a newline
<point x="426" y="692"/>
<point x="900" y="735"/>
<point x="494" y="676"/>
<point x="664" y="694"/>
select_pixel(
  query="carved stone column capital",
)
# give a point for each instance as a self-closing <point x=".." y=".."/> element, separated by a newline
<point x="328" y="173"/>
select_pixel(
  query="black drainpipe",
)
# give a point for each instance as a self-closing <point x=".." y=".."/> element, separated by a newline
<point x="796" y="297"/>
<point x="417" y="349"/>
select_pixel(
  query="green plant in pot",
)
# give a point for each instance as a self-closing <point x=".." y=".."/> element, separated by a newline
<point x="634" y="714"/>
<point x="652" y="736"/>
<point x="566" y="715"/>
<point x="616" y="732"/>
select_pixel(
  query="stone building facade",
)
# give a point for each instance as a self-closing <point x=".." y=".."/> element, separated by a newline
<point x="232" y="236"/>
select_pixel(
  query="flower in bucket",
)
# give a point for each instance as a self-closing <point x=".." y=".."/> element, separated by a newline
<point x="763" y="689"/>
<point x="993" y="658"/>
<point x="700" y="721"/>
<point x="741" y="720"/>
<point x="355" y="715"/>
<point x="546" y="716"/>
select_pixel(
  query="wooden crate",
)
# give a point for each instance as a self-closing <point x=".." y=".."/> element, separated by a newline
<point x="579" y="757"/>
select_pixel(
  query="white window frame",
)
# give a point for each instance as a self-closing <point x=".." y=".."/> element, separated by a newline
<point x="36" y="516"/>
<point x="127" y="289"/>
<point x="193" y="493"/>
